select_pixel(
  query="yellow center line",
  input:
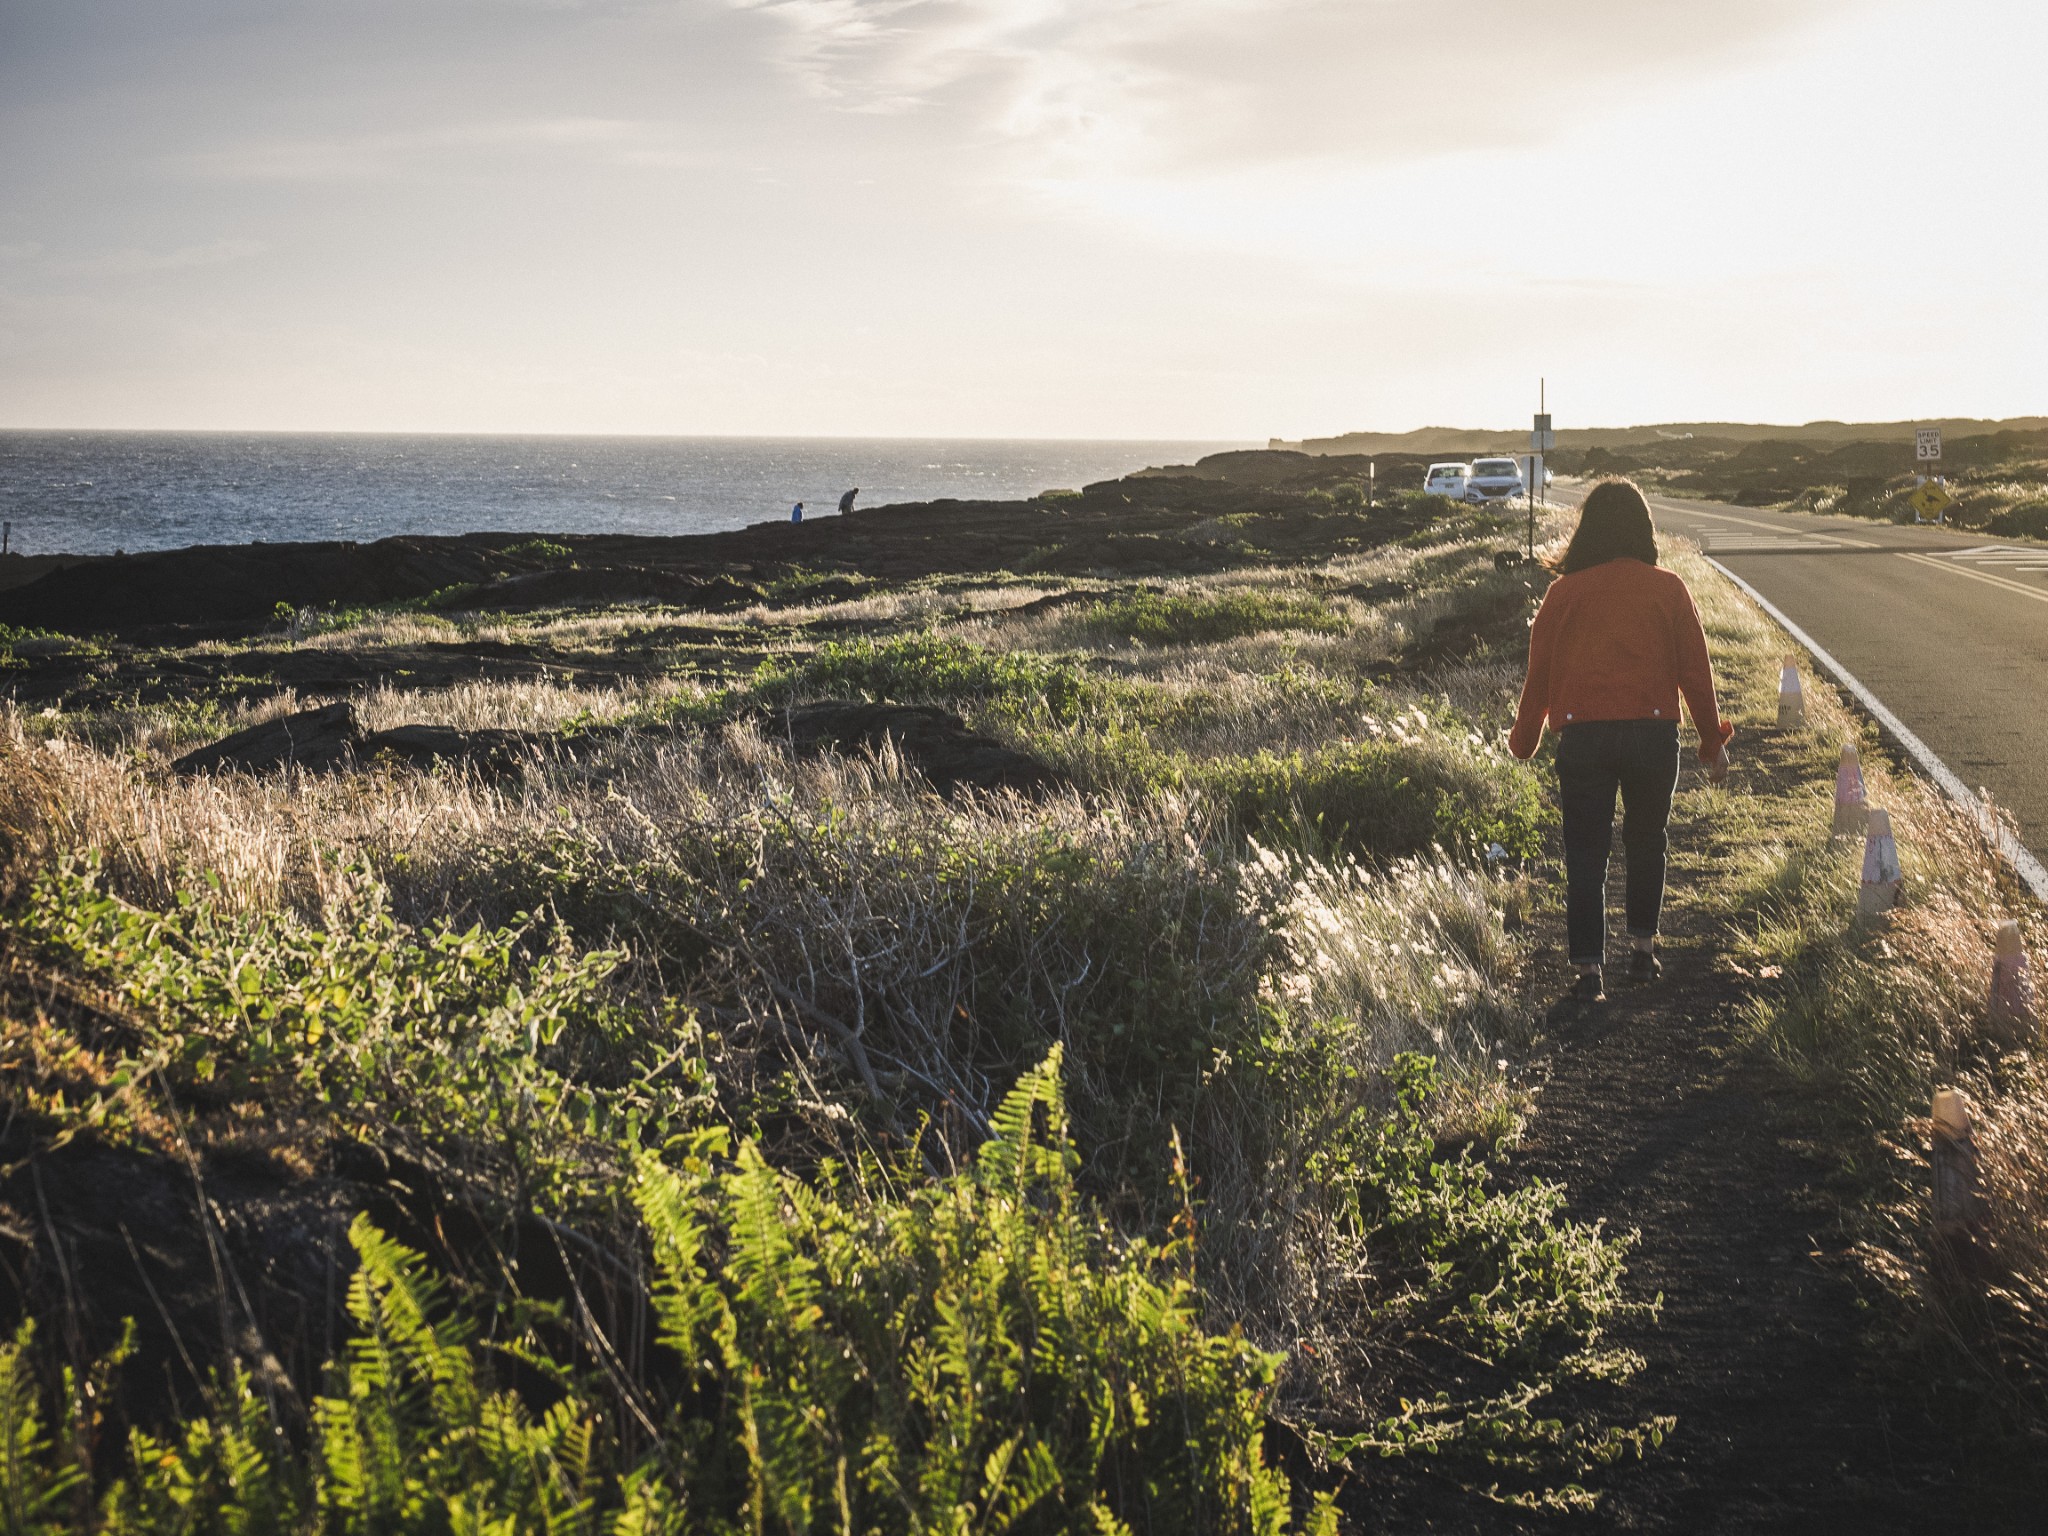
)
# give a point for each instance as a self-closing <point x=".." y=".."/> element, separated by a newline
<point x="2038" y="594"/>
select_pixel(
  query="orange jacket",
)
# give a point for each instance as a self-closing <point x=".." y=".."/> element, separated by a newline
<point x="1617" y="641"/>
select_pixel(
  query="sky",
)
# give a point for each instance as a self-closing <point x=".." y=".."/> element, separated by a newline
<point x="1226" y="219"/>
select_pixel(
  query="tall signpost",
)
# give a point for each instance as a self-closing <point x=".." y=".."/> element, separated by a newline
<point x="1541" y="441"/>
<point x="1931" y="499"/>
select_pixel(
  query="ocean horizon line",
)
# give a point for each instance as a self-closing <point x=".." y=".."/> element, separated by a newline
<point x="636" y="437"/>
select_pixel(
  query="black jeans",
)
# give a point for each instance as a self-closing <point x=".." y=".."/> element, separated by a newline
<point x="1595" y="758"/>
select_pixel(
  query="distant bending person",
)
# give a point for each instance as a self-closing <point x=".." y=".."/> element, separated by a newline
<point x="796" y="513"/>
<point x="846" y="501"/>
<point x="1615" y="644"/>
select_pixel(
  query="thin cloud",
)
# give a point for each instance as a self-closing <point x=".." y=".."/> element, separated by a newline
<point x="1134" y="84"/>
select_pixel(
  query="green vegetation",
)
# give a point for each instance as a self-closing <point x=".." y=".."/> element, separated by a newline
<point x="500" y="1050"/>
<point x="1999" y="478"/>
<point x="1412" y="788"/>
<point x="2026" y="520"/>
<point x="547" y="551"/>
<point x="756" y="1140"/>
<point x="1159" y="618"/>
<point x="17" y="642"/>
<point x="1502" y="1278"/>
<point x="870" y="1352"/>
<point x="929" y="668"/>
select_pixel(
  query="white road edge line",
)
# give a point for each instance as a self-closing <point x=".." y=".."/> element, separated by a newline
<point x="2024" y="864"/>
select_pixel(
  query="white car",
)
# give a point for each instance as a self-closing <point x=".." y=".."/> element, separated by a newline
<point x="1494" y="481"/>
<point x="1447" y="480"/>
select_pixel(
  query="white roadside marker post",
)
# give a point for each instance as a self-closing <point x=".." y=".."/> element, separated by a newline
<point x="2012" y="984"/>
<point x="1852" y="806"/>
<point x="1954" y="1165"/>
<point x="1883" y="880"/>
<point x="1791" y="697"/>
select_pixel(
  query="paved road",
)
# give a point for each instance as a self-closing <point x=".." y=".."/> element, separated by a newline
<point x="1949" y="629"/>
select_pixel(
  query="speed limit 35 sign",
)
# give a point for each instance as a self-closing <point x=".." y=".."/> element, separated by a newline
<point x="1927" y="444"/>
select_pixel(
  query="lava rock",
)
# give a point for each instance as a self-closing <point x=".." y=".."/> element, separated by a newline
<point x="330" y="739"/>
<point x="425" y="745"/>
<point x="936" y="742"/>
<point x="318" y="740"/>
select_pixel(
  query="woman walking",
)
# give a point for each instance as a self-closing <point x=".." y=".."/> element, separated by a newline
<point x="1614" y="645"/>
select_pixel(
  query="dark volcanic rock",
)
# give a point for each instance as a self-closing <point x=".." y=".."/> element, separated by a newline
<point x="329" y="739"/>
<point x="317" y="739"/>
<point x="934" y="741"/>
<point x="425" y="745"/>
<point x="1163" y="524"/>
<point x="241" y="584"/>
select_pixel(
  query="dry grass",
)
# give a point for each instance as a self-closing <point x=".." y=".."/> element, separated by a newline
<point x="857" y="962"/>
<point x="257" y="843"/>
<point x="1876" y="1013"/>
<point x="164" y="731"/>
<point x="907" y="606"/>
<point x="905" y="952"/>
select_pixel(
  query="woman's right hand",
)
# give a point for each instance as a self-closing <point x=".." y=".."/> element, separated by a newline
<point x="1717" y="766"/>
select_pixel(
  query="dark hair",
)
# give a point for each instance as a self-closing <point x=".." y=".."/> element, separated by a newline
<point x="1614" y="524"/>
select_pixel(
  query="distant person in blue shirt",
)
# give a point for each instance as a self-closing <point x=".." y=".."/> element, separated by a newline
<point x="846" y="501"/>
<point x="796" y="513"/>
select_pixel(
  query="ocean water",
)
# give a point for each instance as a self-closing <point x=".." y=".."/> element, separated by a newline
<point x="96" y="492"/>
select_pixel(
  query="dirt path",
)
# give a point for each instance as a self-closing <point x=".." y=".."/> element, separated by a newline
<point x="1793" y="1414"/>
<point x="1655" y="1117"/>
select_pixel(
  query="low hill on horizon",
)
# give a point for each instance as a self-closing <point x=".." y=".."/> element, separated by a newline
<point x="1464" y="441"/>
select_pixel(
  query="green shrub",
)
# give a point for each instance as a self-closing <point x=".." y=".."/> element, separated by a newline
<point x="931" y="669"/>
<point x="974" y="1353"/>
<point x="950" y="950"/>
<point x="1502" y="1277"/>
<point x="505" y="1047"/>
<point x="546" y="550"/>
<point x="980" y="1343"/>
<point x="453" y="596"/>
<point x="1497" y="1272"/>
<point x="1160" y="618"/>
<point x="17" y="641"/>
<point x="1417" y="787"/>
<point x="2029" y="520"/>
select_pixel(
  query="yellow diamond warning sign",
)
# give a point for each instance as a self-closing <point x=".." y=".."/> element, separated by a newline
<point x="1930" y="500"/>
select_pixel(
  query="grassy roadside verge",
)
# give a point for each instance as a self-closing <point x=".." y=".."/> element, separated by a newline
<point x="1871" y="1015"/>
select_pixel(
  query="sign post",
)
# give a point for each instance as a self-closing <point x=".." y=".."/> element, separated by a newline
<point x="1931" y="498"/>
<point x="1541" y="440"/>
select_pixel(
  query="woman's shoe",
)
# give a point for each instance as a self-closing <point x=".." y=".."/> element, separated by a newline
<point x="1644" y="966"/>
<point x="1587" y="989"/>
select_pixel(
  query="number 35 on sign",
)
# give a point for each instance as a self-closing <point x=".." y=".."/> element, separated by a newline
<point x="1927" y="444"/>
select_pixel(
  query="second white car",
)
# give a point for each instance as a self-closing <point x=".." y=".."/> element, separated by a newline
<point x="1495" y="480"/>
<point x="1448" y="480"/>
